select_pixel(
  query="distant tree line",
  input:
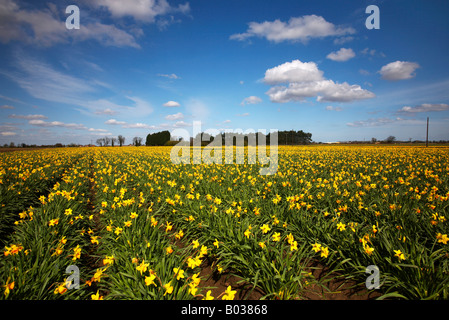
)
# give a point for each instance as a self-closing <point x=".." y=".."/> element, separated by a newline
<point x="284" y="137"/>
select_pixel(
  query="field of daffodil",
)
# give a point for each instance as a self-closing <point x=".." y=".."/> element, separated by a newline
<point x="139" y="227"/>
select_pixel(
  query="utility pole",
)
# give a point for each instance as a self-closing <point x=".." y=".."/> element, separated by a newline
<point x="427" y="133"/>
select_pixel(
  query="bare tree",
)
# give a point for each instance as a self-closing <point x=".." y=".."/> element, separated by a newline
<point x="121" y="140"/>
<point x="137" y="141"/>
<point x="100" y="141"/>
<point x="107" y="140"/>
<point x="113" y="141"/>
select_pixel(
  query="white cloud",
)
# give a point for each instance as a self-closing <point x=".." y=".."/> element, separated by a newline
<point x="342" y="40"/>
<point x="251" y="100"/>
<point x="372" y="53"/>
<point x="376" y="122"/>
<point x="343" y="54"/>
<point x="108" y="35"/>
<point x="399" y="70"/>
<point x="142" y="10"/>
<point x="127" y="125"/>
<point x="27" y="117"/>
<point x="372" y="122"/>
<point x="246" y="114"/>
<point x="180" y="124"/>
<point x="176" y="116"/>
<point x="368" y="51"/>
<point x="295" y="71"/>
<point x="364" y="72"/>
<point x="8" y="133"/>
<point x="106" y="111"/>
<point x="425" y="107"/>
<point x="114" y="122"/>
<point x="5" y="106"/>
<point x="42" y="123"/>
<point x="138" y="126"/>
<point x="46" y="27"/>
<point x="296" y="29"/>
<point x="305" y="80"/>
<point x="97" y="130"/>
<point x="171" y="104"/>
<point x="332" y="108"/>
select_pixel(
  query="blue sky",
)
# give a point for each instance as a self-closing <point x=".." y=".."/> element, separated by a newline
<point x="136" y="67"/>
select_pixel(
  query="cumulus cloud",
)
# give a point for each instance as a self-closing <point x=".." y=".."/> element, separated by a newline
<point x="399" y="70"/>
<point x="171" y="104"/>
<point x="251" y="100"/>
<point x="425" y="107"/>
<point x="295" y="71"/>
<point x="305" y="80"/>
<point x="296" y="29"/>
<point x="343" y="54"/>
<point x="176" y="116"/>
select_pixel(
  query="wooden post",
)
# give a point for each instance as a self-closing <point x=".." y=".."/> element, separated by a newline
<point x="427" y="133"/>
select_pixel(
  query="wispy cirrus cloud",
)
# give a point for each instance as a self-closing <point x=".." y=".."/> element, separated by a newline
<point x="27" y="117"/>
<point x="60" y="124"/>
<point x="169" y="76"/>
<point x="46" y="27"/>
<point x="43" y="81"/>
<point x="425" y="107"/>
<point x="376" y="122"/>
<point x="139" y="125"/>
